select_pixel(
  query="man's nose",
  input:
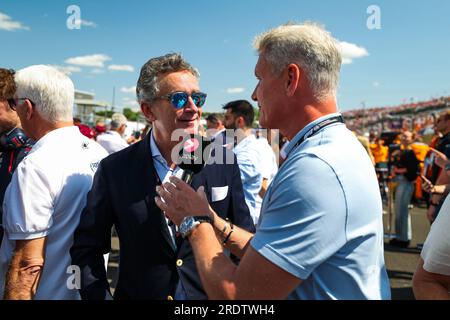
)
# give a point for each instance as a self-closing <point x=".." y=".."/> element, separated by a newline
<point x="190" y="106"/>
<point x="254" y="98"/>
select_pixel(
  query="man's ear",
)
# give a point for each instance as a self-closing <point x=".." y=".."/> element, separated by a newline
<point x="293" y="79"/>
<point x="147" y="111"/>
<point x="29" y="110"/>
<point x="241" y="122"/>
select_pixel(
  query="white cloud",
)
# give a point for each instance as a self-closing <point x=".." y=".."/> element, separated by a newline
<point x="130" y="103"/>
<point x="376" y="84"/>
<point x="94" y="60"/>
<point x="121" y="67"/>
<point x="351" y="51"/>
<point x="128" y="90"/>
<point x="235" y="90"/>
<point x="86" y="23"/>
<point x="6" y="23"/>
<point x="97" y="71"/>
<point x="68" y="70"/>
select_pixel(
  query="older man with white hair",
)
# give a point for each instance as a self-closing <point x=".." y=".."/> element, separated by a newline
<point x="320" y="234"/>
<point x="112" y="139"/>
<point x="48" y="190"/>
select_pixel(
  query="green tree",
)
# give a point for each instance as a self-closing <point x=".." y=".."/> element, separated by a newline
<point x="130" y="115"/>
<point x="102" y="114"/>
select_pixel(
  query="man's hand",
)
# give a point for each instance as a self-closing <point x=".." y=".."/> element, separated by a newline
<point x="178" y="200"/>
<point x="427" y="186"/>
<point x="440" y="159"/>
<point x="431" y="213"/>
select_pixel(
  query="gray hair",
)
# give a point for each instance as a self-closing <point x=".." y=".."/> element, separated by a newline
<point x="50" y="90"/>
<point x="309" y="46"/>
<point x="117" y="120"/>
<point x="147" y="87"/>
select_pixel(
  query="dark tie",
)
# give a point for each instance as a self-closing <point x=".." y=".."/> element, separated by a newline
<point x="176" y="234"/>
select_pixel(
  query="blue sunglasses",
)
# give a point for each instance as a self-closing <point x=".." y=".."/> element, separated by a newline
<point x="179" y="99"/>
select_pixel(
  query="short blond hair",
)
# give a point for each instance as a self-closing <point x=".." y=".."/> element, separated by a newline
<point x="309" y="46"/>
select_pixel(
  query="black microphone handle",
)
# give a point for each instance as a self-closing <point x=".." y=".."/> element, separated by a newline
<point x="187" y="176"/>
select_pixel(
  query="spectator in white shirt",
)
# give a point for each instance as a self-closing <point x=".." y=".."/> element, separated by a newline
<point x="112" y="139"/>
<point x="47" y="192"/>
<point x="254" y="158"/>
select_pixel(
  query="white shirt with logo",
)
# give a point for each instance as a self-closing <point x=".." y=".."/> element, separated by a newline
<point x="44" y="199"/>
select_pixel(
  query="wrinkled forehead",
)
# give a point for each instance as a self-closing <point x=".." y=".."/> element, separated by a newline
<point x="178" y="81"/>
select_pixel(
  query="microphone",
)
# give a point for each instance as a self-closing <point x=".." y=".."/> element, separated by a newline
<point x="194" y="154"/>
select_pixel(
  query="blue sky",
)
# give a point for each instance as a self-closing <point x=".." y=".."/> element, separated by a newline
<point x="408" y="58"/>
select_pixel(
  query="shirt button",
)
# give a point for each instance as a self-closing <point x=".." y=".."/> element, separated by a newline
<point x="169" y="298"/>
<point x="179" y="263"/>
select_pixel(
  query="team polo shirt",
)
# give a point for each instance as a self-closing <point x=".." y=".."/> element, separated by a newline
<point x="321" y="218"/>
<point x="45" y="199"/>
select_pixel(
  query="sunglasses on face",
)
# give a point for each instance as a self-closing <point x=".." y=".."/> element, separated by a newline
<point x="12" y="104"/>
<point x="180" y="99"/>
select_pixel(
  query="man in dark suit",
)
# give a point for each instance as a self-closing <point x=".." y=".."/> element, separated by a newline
<point x="155" y="262"/>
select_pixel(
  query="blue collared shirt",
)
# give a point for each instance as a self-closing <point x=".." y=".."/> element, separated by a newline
<point x="164" y="172"/>
<point x="321" y="218"/>
<point x="250" y="158"/>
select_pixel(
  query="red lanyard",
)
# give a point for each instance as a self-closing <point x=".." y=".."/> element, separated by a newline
<point x="11" y="162"/>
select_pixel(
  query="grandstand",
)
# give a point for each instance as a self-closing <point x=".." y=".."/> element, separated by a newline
<point x="413" y="116"/>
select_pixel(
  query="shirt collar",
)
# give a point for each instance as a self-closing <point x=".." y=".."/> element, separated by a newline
<point x="114" y="133"/>
<point x="243" y="143"/>
<point x="215" y="135"/>
<point x="156" y="154"/>
<point x="306" y="130"/>
<point x="55" y="133"/>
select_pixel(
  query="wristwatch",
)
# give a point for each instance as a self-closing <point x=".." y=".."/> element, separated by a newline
<point x="190" y="223"/>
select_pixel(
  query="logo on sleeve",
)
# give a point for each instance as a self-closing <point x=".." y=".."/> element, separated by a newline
<point x="94" y="166"/>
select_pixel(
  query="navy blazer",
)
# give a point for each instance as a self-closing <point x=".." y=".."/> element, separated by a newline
<point x="122" y="195"/>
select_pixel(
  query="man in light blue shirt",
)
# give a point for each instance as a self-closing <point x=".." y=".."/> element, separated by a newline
<point x="251" y="155"/>
<point x="322" y="216"/>
<point x="320" y="233"/>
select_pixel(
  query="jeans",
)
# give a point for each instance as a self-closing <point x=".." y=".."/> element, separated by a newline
<point x="403" y="195"/>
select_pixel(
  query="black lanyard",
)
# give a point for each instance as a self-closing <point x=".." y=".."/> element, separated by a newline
<point x="321" y="125"/>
